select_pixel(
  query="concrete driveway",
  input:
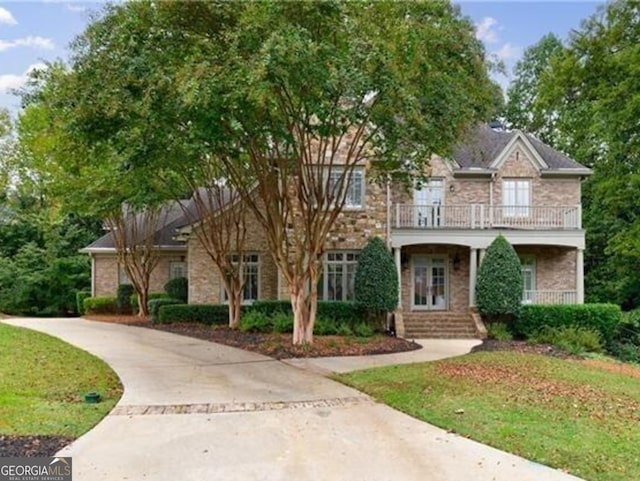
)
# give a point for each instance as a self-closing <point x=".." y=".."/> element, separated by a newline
<point x="194" y="410"/>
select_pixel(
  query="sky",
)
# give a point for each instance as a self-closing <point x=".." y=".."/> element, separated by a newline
<point x="34" y="32"/>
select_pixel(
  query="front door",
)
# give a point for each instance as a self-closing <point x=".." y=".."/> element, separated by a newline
<point x="428" y="202"/>
<point x="430" y="282"/>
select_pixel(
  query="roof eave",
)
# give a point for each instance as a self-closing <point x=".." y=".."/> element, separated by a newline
<point x="567" y="172"/>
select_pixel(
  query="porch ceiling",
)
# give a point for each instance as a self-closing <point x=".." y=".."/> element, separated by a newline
<point x="480" y="239"/>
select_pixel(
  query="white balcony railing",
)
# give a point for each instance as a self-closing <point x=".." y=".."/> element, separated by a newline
<point x="480" y="216"/>
<point x="549" y="297"/>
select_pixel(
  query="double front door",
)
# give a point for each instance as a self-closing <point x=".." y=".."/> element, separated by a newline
<point x="430" y="282"/>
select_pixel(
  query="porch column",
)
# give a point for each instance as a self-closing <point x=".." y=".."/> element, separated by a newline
<point x="473" y="272"/>
<point x="396" y="253"/>
<point x="580" y="276"/>
<point x="482" y="253"/>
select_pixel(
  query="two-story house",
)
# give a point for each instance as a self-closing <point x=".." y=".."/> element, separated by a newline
<point x="496" y="182"/>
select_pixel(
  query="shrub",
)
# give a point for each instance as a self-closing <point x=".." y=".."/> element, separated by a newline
<point x="498" y="331"/>
<point x="573" y="339"/>
<point x="602" y="318"/>
<point x="256" y="321"/>
<point x="200" y="313"/>
<point x="363" y="330"/>
<point x="500" y="283"/>
<point x="178" y="288"/>
<point x="282" y="322"/>
<point x="270" y="308"/>
<point x="80" y="297"/>
<point x="344" y="330"/>
<point x="625" y="351"/>
<point x="123" y="298"/>
<point x="325" y="327"/>
<point x="350" y="313"/>
<point x="155" y="305"/>
<point x="100" y="305"/>
<point x="376" y="279"/>
<point x="152" y="295"/>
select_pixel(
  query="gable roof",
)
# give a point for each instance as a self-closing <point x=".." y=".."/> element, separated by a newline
<point x="483" y="145"/>
<point x="173" y="217"/>
<point x="170" y="219"/>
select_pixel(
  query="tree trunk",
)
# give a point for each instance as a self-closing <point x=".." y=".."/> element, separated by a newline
<point x="143" y="298"/>
<point x="304" y="316"/>
<point x="235" y="304"/>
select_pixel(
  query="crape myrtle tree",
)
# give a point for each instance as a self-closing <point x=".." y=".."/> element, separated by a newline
<point x="219" y="222"/>
<point x="94" y="178"/>
<point x="303" y="93"/>
<point x="287" y="97"/>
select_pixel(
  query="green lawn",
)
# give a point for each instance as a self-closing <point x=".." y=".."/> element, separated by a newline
<point x="579" y="416"/>
<point x="43" y="382"/>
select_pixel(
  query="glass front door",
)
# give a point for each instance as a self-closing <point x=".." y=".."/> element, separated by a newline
<point x="428" y="201"/>
<point x="429" y="282"/>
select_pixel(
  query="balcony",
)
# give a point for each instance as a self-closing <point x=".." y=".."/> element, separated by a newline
<point x="549" y="297"/>
<point x="480" y="216"/>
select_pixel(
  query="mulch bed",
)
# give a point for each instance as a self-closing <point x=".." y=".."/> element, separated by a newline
<point x="524" y="347"/>
<point x="278" y="346"/>
<point x="31" y="446"/>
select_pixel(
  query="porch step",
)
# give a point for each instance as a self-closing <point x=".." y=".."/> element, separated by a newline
<point x="439" y="325"/>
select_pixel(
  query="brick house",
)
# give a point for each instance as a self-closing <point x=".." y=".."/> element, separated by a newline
<point x="496" y="182"/>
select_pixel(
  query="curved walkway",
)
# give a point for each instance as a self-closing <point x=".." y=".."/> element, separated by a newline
<point x="194" y="410"/>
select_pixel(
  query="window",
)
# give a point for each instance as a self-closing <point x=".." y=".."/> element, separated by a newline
<point x="177" y="269"/>
<point x="354" y="191"/>
<point x="528" y="265"/>
<point x="250" y="276"/>
<point x="428" y="199"/>
<point x="516" y="197"/>
<point x="337" y="281"/>
<point x="123" y="278"/>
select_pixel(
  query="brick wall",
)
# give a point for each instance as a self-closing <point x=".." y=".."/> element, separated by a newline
<point x="205" y="281"/>
<point x="107" y="279"/>
<point x="458" y="279"/>
<point x="555" y="266"/>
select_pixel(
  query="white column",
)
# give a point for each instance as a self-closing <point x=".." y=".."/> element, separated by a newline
<point x="580" y="276"/>
<point x="482" y="253"/>
<point x="473" y="272"/>
<point x="399" y="271"/>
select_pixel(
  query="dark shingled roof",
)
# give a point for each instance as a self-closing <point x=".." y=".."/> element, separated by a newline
<point x="172" y="218"/>
<point x="483" y="145"/>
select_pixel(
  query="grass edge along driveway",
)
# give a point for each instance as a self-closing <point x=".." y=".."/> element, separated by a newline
<point x="43" y="381"/>
<point x="582" y="417"/>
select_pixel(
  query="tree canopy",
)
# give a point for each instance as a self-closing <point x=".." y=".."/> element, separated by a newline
<point x="590" y="91"/>
<point x="278" y="94"/>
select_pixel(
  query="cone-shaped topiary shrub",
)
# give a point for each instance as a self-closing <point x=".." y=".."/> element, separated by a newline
<point x="376" y="280"/>
<point x="178" y="288"/>
<point x="500" y="283"/>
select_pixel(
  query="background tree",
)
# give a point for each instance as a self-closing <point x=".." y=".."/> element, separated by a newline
<point x="500" y="283"/>
<point x="594" y="91"/>
<point x="376" y="279"/>
<point x="523" y="110"/>
<point x="288" y="96"/>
